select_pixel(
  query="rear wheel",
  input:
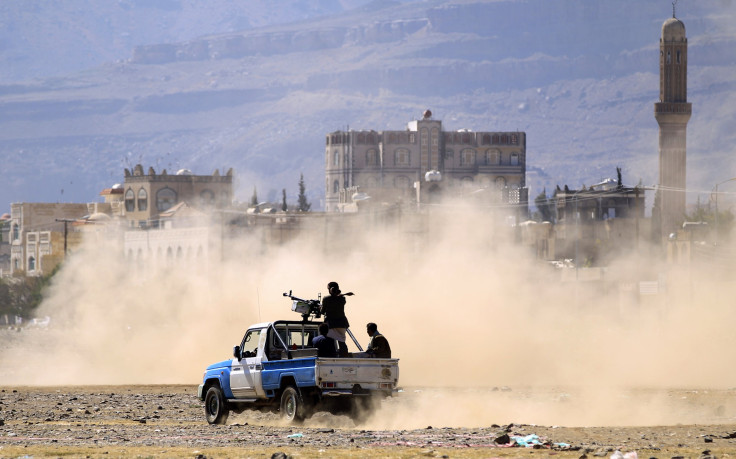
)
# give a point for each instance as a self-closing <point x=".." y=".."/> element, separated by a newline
<point x="292" y="405"/>
<point x="215" y="406"/>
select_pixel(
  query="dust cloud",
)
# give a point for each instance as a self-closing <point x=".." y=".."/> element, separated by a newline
<point x="485" y="333"/>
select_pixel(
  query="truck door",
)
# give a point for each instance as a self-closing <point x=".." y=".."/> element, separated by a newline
<point x="245" y="374"/>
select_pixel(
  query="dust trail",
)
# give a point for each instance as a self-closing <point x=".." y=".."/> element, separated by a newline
<point x="462" y="305"/>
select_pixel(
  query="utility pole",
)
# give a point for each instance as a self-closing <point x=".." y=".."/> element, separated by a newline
<point x="66" y="232"/>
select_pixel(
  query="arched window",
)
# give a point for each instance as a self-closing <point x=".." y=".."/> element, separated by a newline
<point x="514" y="159"/>
<point x="165" y="199"/>
<point x="31" y="263"/>
<point x="16" y="232"/>
<point x="335" y="186"/>
<point x="142" y="200"/>
<point x="401" y="182"/>
<point x="207" y="198"/>
<point x="371" y="157"/>
<point x="493" y="157"/>
<point x="402" y="157"/>
<point x="129" y="200"/>
<point x="467" y="157"/>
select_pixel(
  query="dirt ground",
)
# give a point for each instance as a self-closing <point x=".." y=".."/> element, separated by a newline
<point x="168" y="421"/>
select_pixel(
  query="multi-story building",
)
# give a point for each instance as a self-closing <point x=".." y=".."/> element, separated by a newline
<point x="388" y="166"/>
<point x="39" y="234"/>
<point x="146" y="196"/>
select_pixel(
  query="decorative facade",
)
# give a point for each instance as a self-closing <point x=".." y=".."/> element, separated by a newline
<point x="146" y="196"/>
<point x="386" y="165"/>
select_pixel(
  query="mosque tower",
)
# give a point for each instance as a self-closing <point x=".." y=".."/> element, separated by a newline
<point x="672" y="113"/>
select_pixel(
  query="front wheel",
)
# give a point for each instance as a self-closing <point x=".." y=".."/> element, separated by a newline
<point x="292" y="405"/>
<point x="215" y="406"/>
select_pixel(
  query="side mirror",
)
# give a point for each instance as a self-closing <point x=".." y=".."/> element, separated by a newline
<point x="236" y="352"/>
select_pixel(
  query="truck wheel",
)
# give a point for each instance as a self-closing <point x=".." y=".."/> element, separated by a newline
<point x="215" y="406"/>
<point x="292" y="405"/>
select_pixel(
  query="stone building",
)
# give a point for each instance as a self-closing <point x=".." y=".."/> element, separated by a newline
<point x="146" y="196"/>
<point x="672" y="113"/>
<point x="39" y="233"/>
<point x="388" y="166"/>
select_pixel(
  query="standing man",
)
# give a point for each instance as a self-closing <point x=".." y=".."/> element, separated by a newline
<point x="333" y="307"/>
<point x="324" y="344"/>
<point x="378" y="347"/>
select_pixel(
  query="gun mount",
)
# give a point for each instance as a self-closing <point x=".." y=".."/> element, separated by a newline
<point x="309" y="309"/>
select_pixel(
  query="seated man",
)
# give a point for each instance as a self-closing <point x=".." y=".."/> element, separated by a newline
<point x="378" y="347"/>
<point x="324" y="344"/>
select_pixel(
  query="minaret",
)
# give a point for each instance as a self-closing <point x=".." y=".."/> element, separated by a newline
<point x="672" y="113"/>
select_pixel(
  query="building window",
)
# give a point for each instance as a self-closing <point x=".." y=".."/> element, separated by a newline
<point x="495" y="139"/>
<point x="392" y="138"/>
<point x="402" y="157"/>
<point x="677" y="57"/>
<point x="669" y="57"/>
<point x="336" y="158"/>
<point x="165" y="199"/>
<point x="370" y="139"/>
<point x="142" y="200"/>
<point x="129" y="200"/>
<point x="467" y="157"/>
<point x="207" y="197"/>
<point x="486" y="139"/>
<point x="31" y="263"/>
<point x="361" y="138"/>
<point x="16" y="232"/>
<point x="401" y="182"/>
<point x="335" y="186"/>
<point x="466" y="138"/>
<point x="412" y="138"/>
<point x="493" y="157"/>
<point x="371" y="157"/>
<point x="514" y="159"/>
<point x="514" y="139"/>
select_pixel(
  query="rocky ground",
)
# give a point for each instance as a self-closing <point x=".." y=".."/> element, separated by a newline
<point x="168" y="421"/>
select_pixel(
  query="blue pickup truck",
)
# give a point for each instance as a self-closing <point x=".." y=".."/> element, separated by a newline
<point x="276" y="368"/>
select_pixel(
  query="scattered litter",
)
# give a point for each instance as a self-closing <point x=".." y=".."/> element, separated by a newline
<point x="296" y="435"/>
<point x="619" y="455"/>
<point x="527" y="441"/>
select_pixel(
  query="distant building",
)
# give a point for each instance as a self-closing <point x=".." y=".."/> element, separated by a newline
<point x="146" y="196"/>
<point x="384" y="166"/>
<point x="37" y="237"/>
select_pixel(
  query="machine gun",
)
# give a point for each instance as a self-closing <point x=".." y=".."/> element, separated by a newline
<point x="306" y="308"/>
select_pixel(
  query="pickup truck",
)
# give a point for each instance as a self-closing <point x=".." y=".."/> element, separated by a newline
<point x="276" y="368"/>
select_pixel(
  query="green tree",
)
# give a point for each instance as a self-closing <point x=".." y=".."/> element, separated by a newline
<point x="21" y="296"/>
<point x="704" y="213"/>
<point x="254" y="198"/>
<point x="284" y="207"/>
<point x="545" y="206"/>
<point x="302" y="204"/>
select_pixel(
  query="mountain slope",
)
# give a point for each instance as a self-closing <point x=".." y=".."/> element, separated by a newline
<point x="579" y="76"/>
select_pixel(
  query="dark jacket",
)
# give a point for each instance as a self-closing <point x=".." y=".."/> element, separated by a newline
<point x="325" y="346"/>
<point x="379" y="347"/>
<point x="333" y="308"/>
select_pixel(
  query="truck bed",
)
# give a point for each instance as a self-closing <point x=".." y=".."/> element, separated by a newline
<point x="335" y="376"/>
